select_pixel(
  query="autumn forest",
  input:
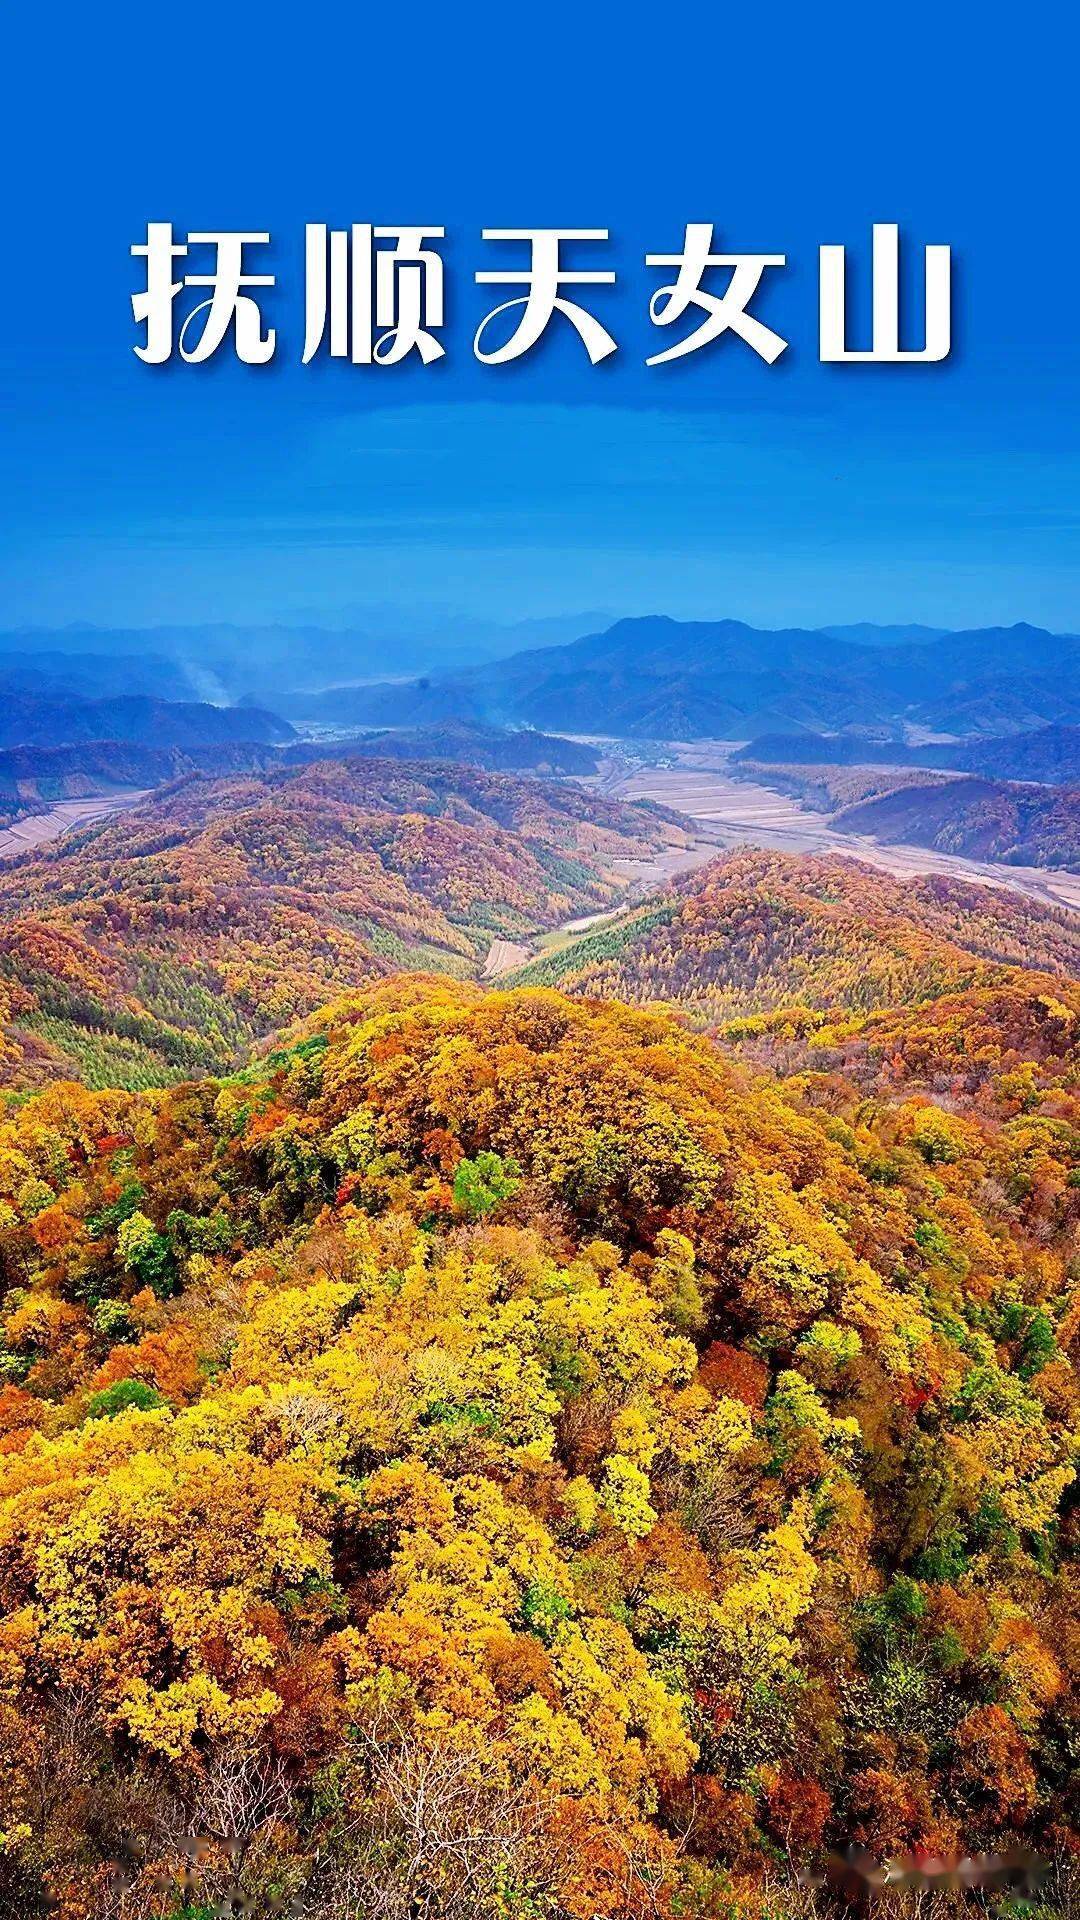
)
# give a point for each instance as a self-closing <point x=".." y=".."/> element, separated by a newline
<point x="588" y="1446"/>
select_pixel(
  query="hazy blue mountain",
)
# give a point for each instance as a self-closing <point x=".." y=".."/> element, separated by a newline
<point x="47" y="671"/>
<point x="865" y="633"/>
<point x="391" y="703"/>
<point x="31" y="721"/>
<point x="286" y="665"/>
<point x="1006" y="702"/>
<point x="466" y="742"/>
<point x="652" y="677"/>
<point x="662" y="678"/>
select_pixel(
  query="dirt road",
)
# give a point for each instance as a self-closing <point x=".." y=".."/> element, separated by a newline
<point x="503" y="957"/>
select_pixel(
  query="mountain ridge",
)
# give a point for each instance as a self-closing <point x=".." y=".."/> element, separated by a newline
<point x="656" y="677"/>
<point x="28" y="720"/>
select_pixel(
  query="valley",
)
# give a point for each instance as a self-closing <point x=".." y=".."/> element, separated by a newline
<point x="730" y="813"/>
<point x="38" y="829"/>
<point x="733" y="812"/>
<point x="174" y="935"/>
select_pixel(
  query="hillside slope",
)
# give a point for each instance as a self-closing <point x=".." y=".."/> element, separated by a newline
<point x="757" y="931"/>
<point x="1050" y="754"/>
<point x="1022" y="825"/>
<point x="34" y="777"/>
<point x="473" y="743"/>
<point x="492" y="1456"/>
<point x="57" y="720"/>
<point x="981" y="819"/>
<point x="164" y="941"/>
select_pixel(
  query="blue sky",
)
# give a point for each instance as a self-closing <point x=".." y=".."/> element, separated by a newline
<point x="797" y="493"/>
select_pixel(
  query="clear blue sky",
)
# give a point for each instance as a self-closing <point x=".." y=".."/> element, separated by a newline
<point x="719" y="486"/>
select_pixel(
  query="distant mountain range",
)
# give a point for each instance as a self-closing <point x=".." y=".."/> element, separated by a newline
<point x="278" y="666"/>
<point x="42" y="672"/>
<point x="650" y="678"/>
<point x="657" y="678"/>
<point x="865" y="633"/>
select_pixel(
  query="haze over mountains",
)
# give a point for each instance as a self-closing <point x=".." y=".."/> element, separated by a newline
<point x="654" y="677"/>
<point x="32" y="668"/>
<point x="657" y="678"/>
<point x="266" y="663"/>
<point x="999" y="705"/>
<point x="28" y="720"/>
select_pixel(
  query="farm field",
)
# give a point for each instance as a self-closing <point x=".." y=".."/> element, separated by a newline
<point x="37" y="829"/>
<point x="739" y="811"/>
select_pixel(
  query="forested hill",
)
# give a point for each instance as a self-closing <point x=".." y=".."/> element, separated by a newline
<point x="997" y="820"/>
<point x="753" y="932"/>
<point x="494" y="1458"/>
<point x="1050" y="754"/>
<point x="163" y="942"/>
<point x="471" y="743"/>
<point x="34" y="777"/>
<point x="980" y="819"/>
<point x="29" y="720"/>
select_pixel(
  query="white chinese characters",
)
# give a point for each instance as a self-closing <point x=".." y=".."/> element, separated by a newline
<point x="230" y="302"/>
<point x="543" y="300"/>
<point x="373" y="304"/>
<point x="722" y="311"/>
<point x="375" y="296"/>
<point x="886" y="332"/>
